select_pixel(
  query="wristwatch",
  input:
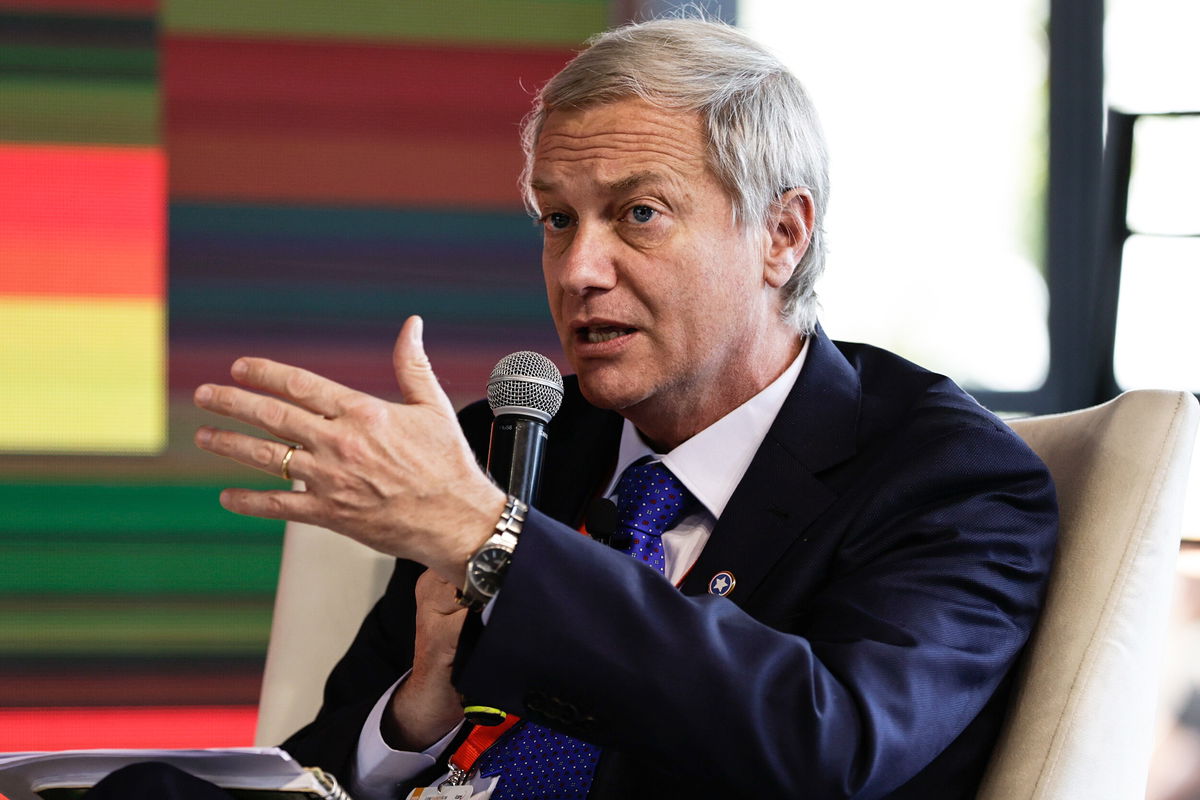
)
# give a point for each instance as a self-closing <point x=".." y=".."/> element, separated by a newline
<point x="486" y="568"/>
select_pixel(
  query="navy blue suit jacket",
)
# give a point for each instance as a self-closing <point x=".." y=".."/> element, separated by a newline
<point x="890" y="541"/>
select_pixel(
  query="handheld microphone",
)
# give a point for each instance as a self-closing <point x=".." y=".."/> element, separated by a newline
<point x="524" y="391"/>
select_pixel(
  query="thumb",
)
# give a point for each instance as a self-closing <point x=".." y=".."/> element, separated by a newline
<point x="414" y="373"/>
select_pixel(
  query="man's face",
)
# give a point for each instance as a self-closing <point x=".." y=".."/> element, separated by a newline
<point x="657" y="295"/>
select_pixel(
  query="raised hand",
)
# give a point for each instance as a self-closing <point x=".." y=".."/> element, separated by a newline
<point x="398" y="477"/>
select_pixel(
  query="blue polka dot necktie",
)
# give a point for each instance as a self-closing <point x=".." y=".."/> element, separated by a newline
<point x="649" y="501"/>
<point x="535" y="762"/>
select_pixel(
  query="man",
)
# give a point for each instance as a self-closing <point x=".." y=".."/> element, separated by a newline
<point x="860" y="550"/>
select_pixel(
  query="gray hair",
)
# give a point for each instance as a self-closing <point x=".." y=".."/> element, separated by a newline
<point x="763" y="133"/>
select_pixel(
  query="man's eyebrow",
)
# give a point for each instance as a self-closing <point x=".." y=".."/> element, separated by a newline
<point x="539" y="185"/>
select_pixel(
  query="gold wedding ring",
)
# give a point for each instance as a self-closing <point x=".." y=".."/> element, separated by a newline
<point x="287" y="460"/>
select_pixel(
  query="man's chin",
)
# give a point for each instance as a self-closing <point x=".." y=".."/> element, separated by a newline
<point x="608" y="390"/>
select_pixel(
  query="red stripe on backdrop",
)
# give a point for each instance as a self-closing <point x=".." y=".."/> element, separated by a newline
<point x="157" y="727"/>
<point x="82" y="221"/>
<point x="364" y="88"/>
<point x="309" y="167"/>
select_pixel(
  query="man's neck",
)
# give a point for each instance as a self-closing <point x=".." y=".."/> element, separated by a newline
<point x="713" y="462"/>
<point x="667" y="423"/>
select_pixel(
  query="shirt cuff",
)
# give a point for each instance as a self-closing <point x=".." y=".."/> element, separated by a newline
<point x="377" y="767"/>
<point x="486" y="616"/>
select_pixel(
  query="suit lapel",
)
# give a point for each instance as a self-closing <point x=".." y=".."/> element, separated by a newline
<point x="780" y="495"/>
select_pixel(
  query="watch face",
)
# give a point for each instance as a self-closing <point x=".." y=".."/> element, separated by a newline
<point x="487" y="568"/>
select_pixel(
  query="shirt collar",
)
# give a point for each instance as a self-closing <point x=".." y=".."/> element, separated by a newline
<point x="711" y="463"/>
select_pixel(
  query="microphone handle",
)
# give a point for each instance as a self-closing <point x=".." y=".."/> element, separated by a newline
<point x="514" y="461"/>
<point x="515" y="455"/>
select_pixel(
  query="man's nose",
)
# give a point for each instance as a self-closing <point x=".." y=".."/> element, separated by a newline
<point x="587" y="265"/>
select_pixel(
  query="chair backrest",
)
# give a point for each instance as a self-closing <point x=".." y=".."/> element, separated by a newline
<point x="327" y="584"/>
<point x="1082" y="720"/>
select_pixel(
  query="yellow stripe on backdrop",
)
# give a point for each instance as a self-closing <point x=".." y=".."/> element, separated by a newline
<point x="82" y="375"/>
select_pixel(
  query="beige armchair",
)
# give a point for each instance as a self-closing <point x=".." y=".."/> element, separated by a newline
<point x="1082" y="723"/>
<point x="327" y="584"/>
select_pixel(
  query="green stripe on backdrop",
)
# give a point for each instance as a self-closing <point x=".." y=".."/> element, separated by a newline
<point x="389" y="224"/>
<point x="321" y="302"/>
<point x="94" y="510"/>
<point x="89" y="62"/>
<point x="150" y="628"/>
<point x="80" y="110"/>
<point x="139" y="568"/>
<point x="520" y="22"/>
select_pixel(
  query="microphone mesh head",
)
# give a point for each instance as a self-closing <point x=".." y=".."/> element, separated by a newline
<point x="525" y="383"/>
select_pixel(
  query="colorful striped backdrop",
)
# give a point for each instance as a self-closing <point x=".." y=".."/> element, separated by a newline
<point x="183" y="183"/>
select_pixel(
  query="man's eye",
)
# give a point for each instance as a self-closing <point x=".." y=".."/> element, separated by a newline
<point x="556" y="220"/>
<point x="642" y="213"/>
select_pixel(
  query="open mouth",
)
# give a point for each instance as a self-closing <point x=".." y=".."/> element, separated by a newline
<point x="603" y="333"/>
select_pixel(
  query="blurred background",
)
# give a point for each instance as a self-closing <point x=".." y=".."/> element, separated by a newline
<point x="187" y="181"/>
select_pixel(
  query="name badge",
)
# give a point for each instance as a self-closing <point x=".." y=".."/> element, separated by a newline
<point x="478" y="788"/>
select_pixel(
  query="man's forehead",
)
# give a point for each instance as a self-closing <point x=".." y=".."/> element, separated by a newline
<point x="623" y="143"/>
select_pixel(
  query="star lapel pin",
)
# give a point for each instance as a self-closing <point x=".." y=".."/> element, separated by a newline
<point x="722" y="584"/>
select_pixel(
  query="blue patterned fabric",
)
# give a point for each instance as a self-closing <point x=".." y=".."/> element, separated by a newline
<point x="535" y="762"/>
<point x="649" y="501"/>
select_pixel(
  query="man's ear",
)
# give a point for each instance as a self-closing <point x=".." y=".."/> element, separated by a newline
<point x="790" y="228"/>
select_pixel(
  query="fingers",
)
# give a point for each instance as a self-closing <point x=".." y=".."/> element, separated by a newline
<point x="261" y="454"/>
<point x="272" y="415"/>
<point x="367" y="463"/>
<point x="414" y="373"/>
<point x="306" y="389"/>
<point x="279" y="504"/>
<point x="434" y="593"/>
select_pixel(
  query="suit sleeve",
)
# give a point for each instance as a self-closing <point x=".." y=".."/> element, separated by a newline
<point x="934" y="571"/>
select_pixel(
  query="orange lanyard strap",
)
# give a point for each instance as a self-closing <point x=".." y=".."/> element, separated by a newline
<point x="478" y="741"/>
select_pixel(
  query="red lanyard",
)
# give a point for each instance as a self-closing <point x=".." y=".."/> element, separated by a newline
<point x="479" y="740"/>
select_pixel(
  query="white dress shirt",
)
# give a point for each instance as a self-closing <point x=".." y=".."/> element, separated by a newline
<point x="710" y="464"/>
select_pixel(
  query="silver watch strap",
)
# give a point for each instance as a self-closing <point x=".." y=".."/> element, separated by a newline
<point x="506" y="534"/>
<point x="512" y="518"/>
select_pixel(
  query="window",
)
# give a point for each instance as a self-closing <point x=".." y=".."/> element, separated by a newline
<point x="935" y="115"/>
